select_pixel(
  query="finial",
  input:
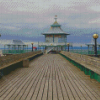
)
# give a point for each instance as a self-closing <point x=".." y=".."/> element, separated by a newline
<point x="55" y="18"/>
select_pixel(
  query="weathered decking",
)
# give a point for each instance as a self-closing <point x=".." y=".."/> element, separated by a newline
<point x="49" y="77"/>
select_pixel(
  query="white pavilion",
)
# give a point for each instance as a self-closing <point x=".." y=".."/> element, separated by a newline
<point x="15" y="47"/>
<point x="55" y="38"/>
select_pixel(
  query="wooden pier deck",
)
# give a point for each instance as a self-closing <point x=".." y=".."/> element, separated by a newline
<point x="49" y="77"/>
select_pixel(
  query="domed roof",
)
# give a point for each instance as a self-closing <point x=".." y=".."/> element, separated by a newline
<point x="55" y="29"/>
<point x="15" y="42"/>
<point x="55" y="24"/>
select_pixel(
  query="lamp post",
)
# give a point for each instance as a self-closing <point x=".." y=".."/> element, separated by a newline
<point x="38" y="42"/>
<point x="81" y="49"/>
<point x="88" y="49"/>
<point x="0" y="35"/>
<point x="32" y="46"/>
<point x="40" y="47"/>
<point x="95" y="36"/>
<point x="68" y="46"/>
<point x="27" y="47"/>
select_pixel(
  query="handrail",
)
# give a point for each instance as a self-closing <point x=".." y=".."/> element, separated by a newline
<point x="6" y="61"/>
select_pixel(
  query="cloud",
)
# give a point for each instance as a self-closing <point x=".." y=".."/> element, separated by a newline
<point x="10" y="27"/>
<point x="41" y="12"/>
<point x="95" y="8"/>
<point x="26" y="19"/>
<point x="97" y="20"/>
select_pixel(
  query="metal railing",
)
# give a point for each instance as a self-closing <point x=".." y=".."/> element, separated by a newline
<point x="90" y="52"/>
<point x="15" y="51"/>
<point x="52" y="44"/>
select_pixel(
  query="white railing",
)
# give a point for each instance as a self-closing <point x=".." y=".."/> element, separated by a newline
<point x="49" y="49"/>
<point x="51" y="44"/>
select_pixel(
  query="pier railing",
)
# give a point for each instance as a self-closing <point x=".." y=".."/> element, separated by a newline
<point x="15" y="51"/>
<point x="11" y="62"/>
<point x="11" y="59"/>
<point x="87" y="52"/>
<point x="90" y="65"/>
<point x="53" y="44"/>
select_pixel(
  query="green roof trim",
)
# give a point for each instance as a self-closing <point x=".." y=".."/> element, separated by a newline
<point x="55" y="25"/>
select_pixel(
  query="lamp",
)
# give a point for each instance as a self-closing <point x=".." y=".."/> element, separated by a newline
<point x="68" y="46"/>
<point x="32" y="46"/>
<point x="95" y="36"/>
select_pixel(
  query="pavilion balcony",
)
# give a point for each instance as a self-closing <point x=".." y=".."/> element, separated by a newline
<point x="52" y="44"/>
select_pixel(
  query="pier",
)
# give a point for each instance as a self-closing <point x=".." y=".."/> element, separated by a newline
<point x="49" y="58"/>
<point x="49" y="77"/>
<point x="12" y="62"/>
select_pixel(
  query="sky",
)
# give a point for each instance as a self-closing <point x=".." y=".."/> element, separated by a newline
<point x="27" y="19"/>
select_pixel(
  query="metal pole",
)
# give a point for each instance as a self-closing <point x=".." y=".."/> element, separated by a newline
<point x="38" y="41"/>
<point x="81" y="49"/>
<point x="27" y="48"/>
<point x="95" y="47"/>
<point x="4" y="49"/>
<point x="68" y="48"/>
<point x="88" y="49"/>
<point x="32" y="47"/>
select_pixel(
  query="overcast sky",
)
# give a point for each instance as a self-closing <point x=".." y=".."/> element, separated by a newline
<point x="27" y="19"/>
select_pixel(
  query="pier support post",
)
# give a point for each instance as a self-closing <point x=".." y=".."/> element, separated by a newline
<point x="25" y="63"/>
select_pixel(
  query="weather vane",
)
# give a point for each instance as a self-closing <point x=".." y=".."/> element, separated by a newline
<point x="55" y="18"/>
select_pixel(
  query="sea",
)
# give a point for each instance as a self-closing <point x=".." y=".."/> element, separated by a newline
<point x="74" y="48"/>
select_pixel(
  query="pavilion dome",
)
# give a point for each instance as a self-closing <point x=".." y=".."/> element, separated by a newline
<point x="55" y="29"/>
<point x="55" y="24"/>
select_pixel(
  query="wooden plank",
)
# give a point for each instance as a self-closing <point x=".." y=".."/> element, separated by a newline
<point x="86" y="90"/>
<point x="28" y="89"/>
<point x="45" y="91"/>
<point x="9" y="78"/>
<point x="50" y="85"/>
<point x="50" y="90"/>
<point x="67" y="88"/>
<point x="11" y="84"/>
<point x="32" y="92"/>
<point x="24" y="86"/>
<point x="60" y="95"/>
<point x="76" y="87"/>
<point x="82" y="59"/>
<point x="15" y="86"/>
<point x="53" y="78"/>
<point x="16" y="61"/>
<point x="60" y="76"/>
<point x="39" y="96"/>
